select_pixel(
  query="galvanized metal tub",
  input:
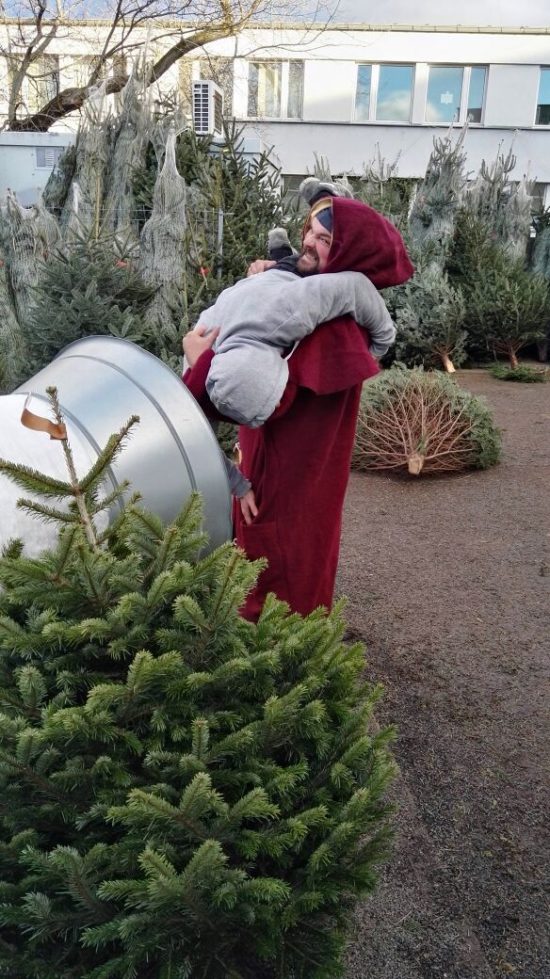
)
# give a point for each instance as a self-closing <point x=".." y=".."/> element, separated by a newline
<point x="101" y="381"/>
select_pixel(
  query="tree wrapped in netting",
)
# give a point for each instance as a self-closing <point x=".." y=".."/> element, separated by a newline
<point x="433" y="210"/>
<point x="184" y="793"/>
<point x="412" y="421"/>
<point x="539" y="262"/>
<point x="233" y="200"/>
<point x="163" y="258"/>
<point x="502" y="205"/>
<point x="128" y="137"/>
<point x="430" y="321"/>
<point x="11" y="343"/>
<point x="93" y="150"/>
<point x="27" y="236"/>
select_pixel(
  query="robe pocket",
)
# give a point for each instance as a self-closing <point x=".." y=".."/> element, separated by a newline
<point x="263" y="540"/>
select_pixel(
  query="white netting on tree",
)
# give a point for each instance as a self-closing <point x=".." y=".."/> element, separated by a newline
<point x="28" y="235"/>
<point x="502" y="205"/>
<point x="433" y="211"/>
<point x="162" y="258"/>
<point x="92" y="158"/>
<point x="130" y="132"/>
<point x="10" y="334"/>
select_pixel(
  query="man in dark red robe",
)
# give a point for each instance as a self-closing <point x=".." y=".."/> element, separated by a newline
<point x="298" y="462"/>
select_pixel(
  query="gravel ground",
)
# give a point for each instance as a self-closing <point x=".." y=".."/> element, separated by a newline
<point x="448" y="585"/>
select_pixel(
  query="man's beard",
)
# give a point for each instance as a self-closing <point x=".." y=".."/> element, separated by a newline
<point x="311" y="265"/>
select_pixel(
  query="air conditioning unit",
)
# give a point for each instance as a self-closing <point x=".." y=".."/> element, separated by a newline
<point x="207" y="108"/>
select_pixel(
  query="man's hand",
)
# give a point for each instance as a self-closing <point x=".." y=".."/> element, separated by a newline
<point x="196" y="342"/>
<point x="260" y="265"/>
<point x="249" y="509"/>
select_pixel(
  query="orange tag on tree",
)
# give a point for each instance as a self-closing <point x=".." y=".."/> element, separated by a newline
<point x="39" y="424"/>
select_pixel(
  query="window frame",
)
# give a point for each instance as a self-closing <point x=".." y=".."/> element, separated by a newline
<point x="463" y="116"/>
<point x="375" y="67"/>
<point x="285" y="88"/>
<point x="541" y="125"/>
<point x="374" y="89"/>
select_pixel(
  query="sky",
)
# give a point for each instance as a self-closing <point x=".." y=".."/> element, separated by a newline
<point x="479" y="13"/>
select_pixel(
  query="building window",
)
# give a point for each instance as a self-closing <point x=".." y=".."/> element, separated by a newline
<point x="543" y="104"/>
<point x="362" y="96"/>
<point x="444" y="94"/>
<point x="394" y="96"/>
<point x="42" y="81"/>
<point x="455" y="94"/>
<point x="476" y="93"/>
<point x="384" y="92"/>
<point x="275" y="89"/>
<point x="48" y="156"/>
<point x="295" y="89"/>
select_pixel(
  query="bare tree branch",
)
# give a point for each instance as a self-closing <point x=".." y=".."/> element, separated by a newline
<point x="193" y="24"/>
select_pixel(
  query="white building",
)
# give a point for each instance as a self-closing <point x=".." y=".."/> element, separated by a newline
<point x="394" y="85"/>
<point x="391" y="84"/>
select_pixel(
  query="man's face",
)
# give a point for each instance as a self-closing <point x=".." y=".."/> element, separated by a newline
<point x="315" y="248"/>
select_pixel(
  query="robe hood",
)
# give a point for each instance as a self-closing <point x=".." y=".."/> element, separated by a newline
<point x="365" y="241"/>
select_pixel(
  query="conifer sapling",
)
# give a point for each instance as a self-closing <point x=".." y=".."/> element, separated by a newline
<point x="183" y="793"/>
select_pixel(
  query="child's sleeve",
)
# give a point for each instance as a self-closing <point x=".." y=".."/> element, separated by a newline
<point x="323" y="297"/>
<point x="238" y="484"/>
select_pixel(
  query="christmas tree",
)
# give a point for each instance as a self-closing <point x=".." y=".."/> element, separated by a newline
<point x="432" y="215"/>
<point x="234" y="199"/>
<point x="87" y="287"/>
<point x="412" y="421"/>
<point x="184" y="793"/>
<point x="430" y="321"/>
<point x="507" y="304"/>
<point x="502" y="205"/>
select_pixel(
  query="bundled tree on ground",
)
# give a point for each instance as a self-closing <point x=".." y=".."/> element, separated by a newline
<point x="415" y="422"/>
<point x="183" y="793"/>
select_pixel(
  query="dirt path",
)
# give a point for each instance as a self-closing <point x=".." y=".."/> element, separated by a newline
<point x="449" y="586"/>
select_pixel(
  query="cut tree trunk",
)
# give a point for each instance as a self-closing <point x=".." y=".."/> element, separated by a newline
<point x="415" y="463"/>
<point x="447" y="363"/>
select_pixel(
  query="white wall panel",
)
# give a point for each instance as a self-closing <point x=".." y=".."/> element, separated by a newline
<point x="349" y="147"/>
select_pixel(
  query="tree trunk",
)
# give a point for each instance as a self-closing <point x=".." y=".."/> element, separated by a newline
<point x="415" y="463"/>
<point x="447" y="363"/>
<point x="514" y="362"/>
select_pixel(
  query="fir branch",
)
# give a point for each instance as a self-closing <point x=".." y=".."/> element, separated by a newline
<point x="34" y="481"/>
<point x="46" y="513"/>
<point x="107" y="456"/>
<point x="86" y="522"/>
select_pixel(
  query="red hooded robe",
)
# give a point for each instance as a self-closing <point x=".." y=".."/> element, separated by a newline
<point x="298" y="461"/>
